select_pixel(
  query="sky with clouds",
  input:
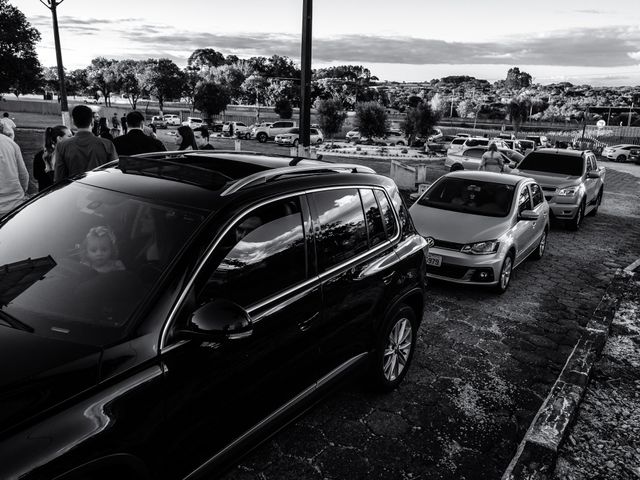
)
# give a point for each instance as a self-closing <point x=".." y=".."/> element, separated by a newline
<point x="581" y="41"/>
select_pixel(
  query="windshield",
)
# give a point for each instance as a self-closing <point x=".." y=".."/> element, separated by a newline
<point x="570" y="165"/>
<point x="470" y="196"/>
<point x="76" y="263"/>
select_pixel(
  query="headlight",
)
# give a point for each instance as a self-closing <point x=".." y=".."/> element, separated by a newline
<point x="568" y="192"/>
<point x="481" y="248"/>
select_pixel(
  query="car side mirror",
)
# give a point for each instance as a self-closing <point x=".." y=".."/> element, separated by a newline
<point x="528" y="215"/>
<point x="593" y="174"/>
<point x="220" y="320"/>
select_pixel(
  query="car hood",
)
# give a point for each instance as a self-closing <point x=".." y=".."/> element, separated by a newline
<point x="37" y="373"/>
<point x="549" y="179"/>
<point x="457" y="227"/>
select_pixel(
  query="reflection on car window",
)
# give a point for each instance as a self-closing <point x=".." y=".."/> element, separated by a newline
<point x="264" y="254"/>
<point x="374" y="218"/>
<point x="94" y="249"/>
<point x="343" y="232"/>
<point x="387" y="214"/>
<point x="538" y="197"/>
<point x="524" y="200"/>
<point x="470" y="196"/>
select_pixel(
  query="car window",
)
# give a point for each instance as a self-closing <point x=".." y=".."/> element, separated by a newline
<point x="474" y="152"/>
<point x="474" y="142"/>
<point x="278" y="125"/>
<point x="373" y="217"/>
<point x="106" y="252"/>
<point x="313" y="131"/>
<point x="389" y="220"/>
<point x="537" y="161"/>
<point x="589" y="163"/>
<point x="536" y="194"/>
<point x="595" y="162"/>
<point x="469" y="196"/>
<point x="266" y="240"/>
<point x="524" y="200"/>
<point x="458" y="141"/>
<point x="240" y="124"/>
<point x="343" y="232"/>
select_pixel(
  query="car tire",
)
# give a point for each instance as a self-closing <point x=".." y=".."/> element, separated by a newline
<point x="621" y="158"/>
<point x="594" y="211"/>
<point x="319" y="141"/>
<point x="456" y="167"/>
<point x="542" y="246"/>
<point x="262" y="137"/>
<point x="394" y="349"/>
<point x="506" y="271"/>
<point x="574" y="223"/>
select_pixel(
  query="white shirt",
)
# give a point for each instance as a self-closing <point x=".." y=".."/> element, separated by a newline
<point x="14" y="178"/>
<point x="9" y="126"/>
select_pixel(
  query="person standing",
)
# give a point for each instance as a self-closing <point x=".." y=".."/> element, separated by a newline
<point x="492" y="160"/>
<point x="14" y="178"/>
<point x="84" y="151"/>
<point x="185" y="139"/>
<point x="115" y="123"/>
<point x="44" y="160"/>
<point x="201" y="135"/>
<point x="8" y="126"/>
<point x="123" y="122"/>
<point x="135" y="141"/>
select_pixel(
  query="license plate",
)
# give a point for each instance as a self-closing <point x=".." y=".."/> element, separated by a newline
<point x="434" y="260"/>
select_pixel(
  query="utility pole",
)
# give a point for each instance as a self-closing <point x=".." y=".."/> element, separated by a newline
<point x="64" y="107"/>
<point x="629" y="119"/>
<point x="305" y="83"/>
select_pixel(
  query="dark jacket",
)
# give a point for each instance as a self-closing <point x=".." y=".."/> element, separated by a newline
<point x="44" y="178"/>
<point x="135" y="141"/>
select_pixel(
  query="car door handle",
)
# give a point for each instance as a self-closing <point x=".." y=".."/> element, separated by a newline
<point x="304" y="325"/>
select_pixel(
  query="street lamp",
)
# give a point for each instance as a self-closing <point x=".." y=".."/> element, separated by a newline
<point x="64" y="107"/>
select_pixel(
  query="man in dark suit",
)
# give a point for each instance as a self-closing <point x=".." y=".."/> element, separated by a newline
<point x="201" y="134"/>
<point x="135" y="141"/>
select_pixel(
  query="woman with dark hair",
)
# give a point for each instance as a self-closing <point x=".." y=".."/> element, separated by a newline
<point x="44" y="160"/>
<point x="185" y="139"/>
<point x="103" y="129"/>
<point x="492" y="160"/>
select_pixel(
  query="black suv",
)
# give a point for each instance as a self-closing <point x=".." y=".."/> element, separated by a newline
<point x="160" y="316"/>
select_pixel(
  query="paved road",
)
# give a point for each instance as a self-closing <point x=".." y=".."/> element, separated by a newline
<point x="484" y="363"/>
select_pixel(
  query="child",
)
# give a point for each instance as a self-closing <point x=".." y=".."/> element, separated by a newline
<point x="99" y="250"/>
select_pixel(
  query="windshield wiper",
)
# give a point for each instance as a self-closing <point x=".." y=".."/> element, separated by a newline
<point x="15" y="323"/>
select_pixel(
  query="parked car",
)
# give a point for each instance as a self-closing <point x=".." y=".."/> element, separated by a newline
<point x="458" y="144"/>
<point x="158" y="122"/>
<point x="441" y="145"/>
<point x="527" y="146"/>
<point x="619" y="153"/>
<point x="292" y="137"/>
<point x="540" y="141"/>
<point x="194" y="122"/>
<point x="184" y="350"/>
<point x="241" y="130"/>
<point x="353" y="135"/>
<point x="481" y="225"/>
<point x="258" y="126"/>
<point x="262" y="134"/>
<point x="469" y="158"/>
<point x="634" y="156"/>
<point x="435" y="135"/>
<point x="172" y="119"/>
<point x="571" y="180"/>
<point x="391" y="137"/>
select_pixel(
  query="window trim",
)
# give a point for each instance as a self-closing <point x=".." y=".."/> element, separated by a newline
<point x="164" y="346"/>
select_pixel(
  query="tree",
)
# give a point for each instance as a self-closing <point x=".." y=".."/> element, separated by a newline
<point x="467" y="109"/>
<point x="28" y="78"/>
<point x="77" y="81"/>
<point x="103" y="77"/>
<point x="163" y="79"/>
<point x="211" y="98"/>
<point x="420" y="121"/>
<point x="517" y="79"/>
<point x="331" y="116"/>
<point x="204" y="58"/>
<point x="128" y="74"/>
<point x="371" y="118"/>
<point x="518" y="109"/>
<point x="17" y="49"/>
<point x="283" y="108"/>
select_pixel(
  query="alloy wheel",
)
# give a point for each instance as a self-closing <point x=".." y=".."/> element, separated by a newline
<point x="505" y="274"/>
<point x="398" y="349"/>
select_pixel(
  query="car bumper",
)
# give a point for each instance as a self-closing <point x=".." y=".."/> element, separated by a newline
<point x="286" y="141"/>
<point x="563" y="210"/>
<point x="460" y="267"/>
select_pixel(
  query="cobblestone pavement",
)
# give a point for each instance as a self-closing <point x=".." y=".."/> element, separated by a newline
<point x="483" y="366"/>
<point x="605" y="440"/>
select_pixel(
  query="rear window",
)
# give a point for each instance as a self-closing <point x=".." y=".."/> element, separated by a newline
<point x="474" y="142"/>
<point x="474" y="152"/>
<point x="470" y="196"/>
<point x="553" y="163"/>
<point x="458" y="141"/>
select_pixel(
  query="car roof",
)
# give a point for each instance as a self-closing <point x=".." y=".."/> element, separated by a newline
<point x="562" y="151"/>
<point x="206" y="180"/>
<point x="505" y="178"/>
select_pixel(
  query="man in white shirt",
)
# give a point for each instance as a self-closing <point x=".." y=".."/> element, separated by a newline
<point x="14" y="178"/>
<point x="8" y="126"/>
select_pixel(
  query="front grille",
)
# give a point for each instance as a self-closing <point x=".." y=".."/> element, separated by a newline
<point x="447" y="270"/>
<point x="447" y="245"/>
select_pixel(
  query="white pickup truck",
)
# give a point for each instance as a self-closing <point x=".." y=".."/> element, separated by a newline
<point x="262" y="134"/>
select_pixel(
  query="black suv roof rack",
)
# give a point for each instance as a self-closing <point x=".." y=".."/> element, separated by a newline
<point x="274" y="173"/>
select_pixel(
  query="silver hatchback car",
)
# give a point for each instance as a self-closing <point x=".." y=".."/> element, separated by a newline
<point x="480" y="225"/>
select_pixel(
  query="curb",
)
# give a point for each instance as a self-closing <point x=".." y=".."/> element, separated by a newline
<point x="536" y="455"/>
